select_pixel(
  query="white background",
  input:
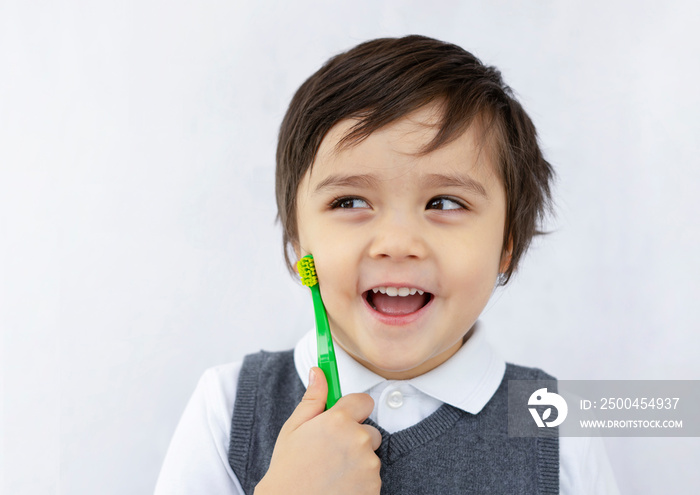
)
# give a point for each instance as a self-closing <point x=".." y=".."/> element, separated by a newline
<point x="138" y="240"/>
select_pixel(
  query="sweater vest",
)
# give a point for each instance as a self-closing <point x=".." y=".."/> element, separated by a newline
<point x="449" y="452"/>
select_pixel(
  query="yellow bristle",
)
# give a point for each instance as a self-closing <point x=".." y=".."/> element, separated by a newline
<point x="307" y="271"/>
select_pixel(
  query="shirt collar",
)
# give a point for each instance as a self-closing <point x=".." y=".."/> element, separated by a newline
<point x="467" y="380"/>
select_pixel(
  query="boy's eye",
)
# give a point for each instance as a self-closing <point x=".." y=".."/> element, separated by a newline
<point x="349" y="203"/>
<point x="444" y="204"/>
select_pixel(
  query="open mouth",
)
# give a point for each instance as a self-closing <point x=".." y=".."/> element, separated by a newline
<point x="397" y="301"/>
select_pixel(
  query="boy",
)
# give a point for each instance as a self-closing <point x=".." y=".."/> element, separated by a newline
<point x="409" y="171"/>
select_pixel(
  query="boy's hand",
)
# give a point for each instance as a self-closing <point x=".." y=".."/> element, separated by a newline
<point x="329" y="452"/>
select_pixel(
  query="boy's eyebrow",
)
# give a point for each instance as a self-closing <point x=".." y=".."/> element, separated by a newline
<point x="456" y="180"/>
<point x="361" y="180"/>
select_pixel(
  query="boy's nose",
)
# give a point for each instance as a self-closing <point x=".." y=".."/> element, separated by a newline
<point x="398" y="238"/>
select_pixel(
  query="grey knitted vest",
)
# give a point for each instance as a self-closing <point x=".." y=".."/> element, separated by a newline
<point x="450" y="452"/>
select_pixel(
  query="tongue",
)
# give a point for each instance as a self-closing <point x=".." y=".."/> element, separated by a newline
<point x="397" y="305"/>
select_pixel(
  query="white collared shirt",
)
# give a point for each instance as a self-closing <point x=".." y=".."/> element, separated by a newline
<point x="401" y="404"/>
<point x="197" y="459"/>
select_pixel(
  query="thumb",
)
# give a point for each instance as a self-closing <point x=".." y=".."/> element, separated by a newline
<point x="313" y="402"/>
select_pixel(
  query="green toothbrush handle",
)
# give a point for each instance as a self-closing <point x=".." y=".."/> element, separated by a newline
<point x="326" y="352"/>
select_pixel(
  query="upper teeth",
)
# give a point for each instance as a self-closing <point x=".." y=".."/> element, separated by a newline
<point x="397" y="291"/>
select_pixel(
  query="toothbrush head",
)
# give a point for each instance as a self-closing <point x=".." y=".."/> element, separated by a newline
<point x="307" y="271"/>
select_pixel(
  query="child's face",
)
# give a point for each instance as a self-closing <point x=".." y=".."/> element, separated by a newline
<point x="376" y="214"/>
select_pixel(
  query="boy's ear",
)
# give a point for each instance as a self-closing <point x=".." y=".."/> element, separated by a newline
<point x="506" y="257"/>
<point x="297" y="254"/>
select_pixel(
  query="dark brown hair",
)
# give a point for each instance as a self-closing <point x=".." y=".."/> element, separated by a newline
<point x="382" y="80"/>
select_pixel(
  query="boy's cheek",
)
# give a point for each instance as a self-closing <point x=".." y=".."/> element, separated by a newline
<point x="338" y="279"/>
<point x="329" y="244"/>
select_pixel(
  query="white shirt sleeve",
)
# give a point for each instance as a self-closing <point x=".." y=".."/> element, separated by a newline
<point x="584" y="468"/>
<point x="197" y="459"/>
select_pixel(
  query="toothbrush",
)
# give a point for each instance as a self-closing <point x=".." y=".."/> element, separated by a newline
<point x="324" y="341"/>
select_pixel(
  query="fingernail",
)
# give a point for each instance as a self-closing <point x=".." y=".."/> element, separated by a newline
<point x="312" y="377"/>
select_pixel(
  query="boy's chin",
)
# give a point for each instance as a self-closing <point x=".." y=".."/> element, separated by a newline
<point x="398" y="367"/>
<point x="394" y="365"/>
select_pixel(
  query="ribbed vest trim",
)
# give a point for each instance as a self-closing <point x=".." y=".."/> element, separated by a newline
<point x="548" y="460"/>
<point x="268" y="381"/>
